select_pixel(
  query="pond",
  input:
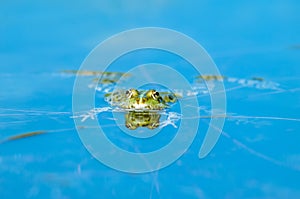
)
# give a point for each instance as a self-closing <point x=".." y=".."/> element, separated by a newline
<point x="43" y="147"/>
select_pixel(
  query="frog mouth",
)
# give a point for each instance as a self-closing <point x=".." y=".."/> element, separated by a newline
<point x="140" y="106"/>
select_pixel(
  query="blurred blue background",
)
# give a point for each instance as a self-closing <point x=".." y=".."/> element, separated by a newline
<point x="254" y="158"/>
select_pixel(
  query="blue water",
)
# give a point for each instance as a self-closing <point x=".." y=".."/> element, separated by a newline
<point x="254" y="157"/>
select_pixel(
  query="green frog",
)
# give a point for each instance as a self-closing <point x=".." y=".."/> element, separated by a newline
<point x="140" y="100"/>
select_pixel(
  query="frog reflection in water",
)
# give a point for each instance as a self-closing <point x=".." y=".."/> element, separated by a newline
<point x="147" y="119"/>
<point x="143" y="106"/>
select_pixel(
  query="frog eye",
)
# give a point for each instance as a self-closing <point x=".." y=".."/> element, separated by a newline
<point x="128" y="93"/>
<point x="131" y="93"/>
<point x="155" y="94"/>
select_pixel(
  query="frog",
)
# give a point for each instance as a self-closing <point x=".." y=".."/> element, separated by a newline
<point x="141" y="100"/>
